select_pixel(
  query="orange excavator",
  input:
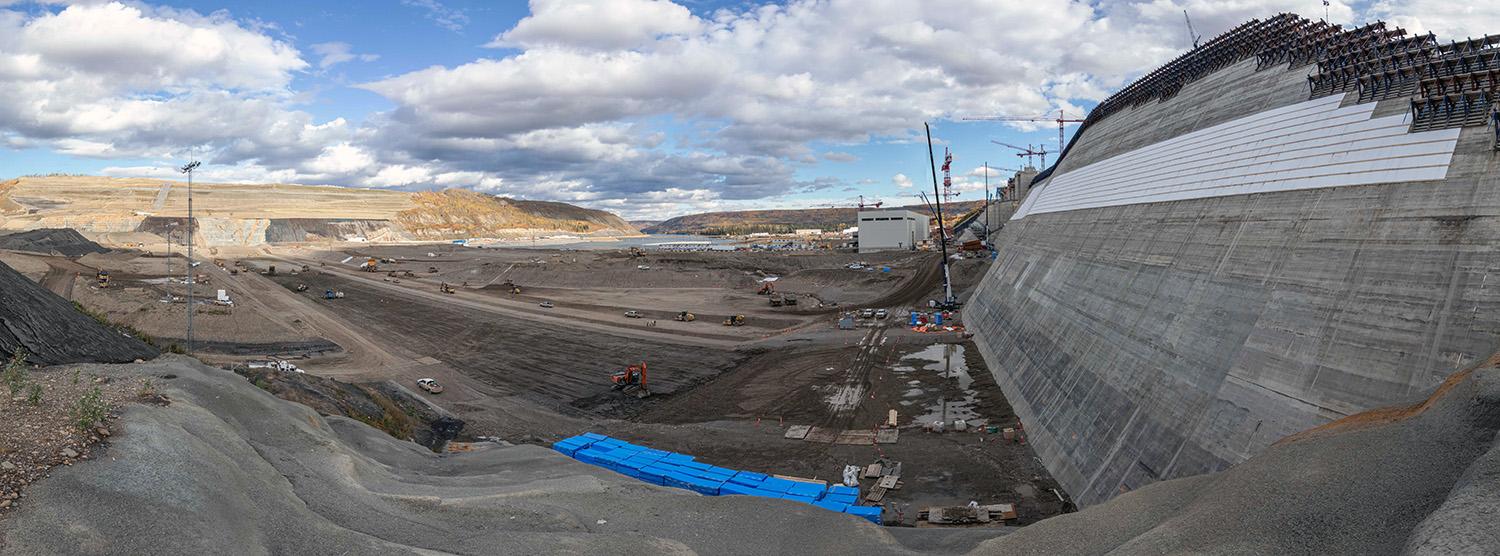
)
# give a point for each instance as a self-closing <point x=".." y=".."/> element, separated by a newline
<point x="632" y="379"/>
<point x="766" y="288"/>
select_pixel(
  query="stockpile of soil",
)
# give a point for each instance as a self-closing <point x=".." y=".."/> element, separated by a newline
<point x="53" y="332"/>
<point x="60" y="241"/>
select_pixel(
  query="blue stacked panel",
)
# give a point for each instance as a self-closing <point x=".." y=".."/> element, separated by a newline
<point x="683" y="471"/>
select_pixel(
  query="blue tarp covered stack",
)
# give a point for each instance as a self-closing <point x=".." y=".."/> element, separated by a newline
<point x="682" y="471"/>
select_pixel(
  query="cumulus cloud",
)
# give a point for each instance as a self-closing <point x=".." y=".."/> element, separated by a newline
<point x="599" y="24"/>
<point x="569" y="107"/>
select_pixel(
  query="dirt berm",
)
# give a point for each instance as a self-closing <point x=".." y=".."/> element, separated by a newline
<point x="53" y="332"/>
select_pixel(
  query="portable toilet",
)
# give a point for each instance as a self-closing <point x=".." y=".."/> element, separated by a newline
<point x="915" y="317"/>
<point x="937" y="317"/>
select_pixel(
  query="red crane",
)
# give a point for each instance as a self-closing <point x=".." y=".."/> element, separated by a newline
<point x="1027" y="152"/>
<point x="1061" y="119"/>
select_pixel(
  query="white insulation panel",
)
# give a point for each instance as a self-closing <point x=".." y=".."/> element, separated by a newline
<point x="1308" y="145"/>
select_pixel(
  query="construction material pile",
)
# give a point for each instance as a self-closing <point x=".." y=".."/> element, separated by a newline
<point x="681" y="471"/>
<point x="52" y="332"/>
<point x="51" y="241"/>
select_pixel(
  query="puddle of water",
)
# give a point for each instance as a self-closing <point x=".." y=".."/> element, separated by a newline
<point x="946" y="362"/>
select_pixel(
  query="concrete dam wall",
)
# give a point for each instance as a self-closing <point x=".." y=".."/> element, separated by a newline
<point x="1243" y="257"/>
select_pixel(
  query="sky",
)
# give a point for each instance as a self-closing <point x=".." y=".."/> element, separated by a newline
<point x="647" y="108"/>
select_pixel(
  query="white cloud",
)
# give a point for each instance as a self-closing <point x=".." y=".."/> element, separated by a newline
<point x="334" y="53"/>
<point x="575" y="112"/>
<point x="599" y="24"/>
<point x="448" y="18"/>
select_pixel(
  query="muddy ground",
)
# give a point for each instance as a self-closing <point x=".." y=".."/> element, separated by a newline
<point x="728" y="395"/>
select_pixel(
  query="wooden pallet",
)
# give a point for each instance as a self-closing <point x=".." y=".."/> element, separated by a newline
<point x="856" y="438"/>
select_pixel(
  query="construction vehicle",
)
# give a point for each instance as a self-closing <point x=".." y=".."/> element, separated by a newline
<point x="777" y="300"/>
<point x="432" y="270"/>
<point x="766" y="288"/>
<point x="408" y="274"/>
<point x="789" y="299"/>
<point x="685" y="317"/>
<point x="631" y="380"/>
<point x="445" y="288"/>
<point x="271" y="271"/>
<point x="301" y="287"/>
<point x="637" y="252"/>
<point x="102" y="277"/>
<point x="330" y="294"/>
<point x="511" y="287"/>
<point x="737" y="320"/>
<point x="370" y="265"/>
<point x="306" y="268"/>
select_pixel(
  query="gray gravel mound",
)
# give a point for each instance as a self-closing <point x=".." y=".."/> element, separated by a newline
<point x="227" y="468"/>
<point x="51" y="241"/>
<point x="53" y="332"/>
<point x="1384" y="482"/>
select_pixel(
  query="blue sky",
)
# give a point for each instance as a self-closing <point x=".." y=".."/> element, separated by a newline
<point x="646" y="107"/>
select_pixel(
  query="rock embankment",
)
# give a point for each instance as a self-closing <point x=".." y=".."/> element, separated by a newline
<point x="52" y="332"/>
<point x="48" y="241"/>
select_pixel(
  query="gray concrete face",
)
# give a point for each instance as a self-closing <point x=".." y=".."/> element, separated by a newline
<point x="1163" y="340"/>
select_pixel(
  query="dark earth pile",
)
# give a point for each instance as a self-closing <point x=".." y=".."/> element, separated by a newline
<point x="381" y="405"/>
<point x="62" y="241"/>
<point x="53" y="332"/>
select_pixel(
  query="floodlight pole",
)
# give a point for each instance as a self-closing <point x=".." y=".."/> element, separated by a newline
<point x="188" y="169"/>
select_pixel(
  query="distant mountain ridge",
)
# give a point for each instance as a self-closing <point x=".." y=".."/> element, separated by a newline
<point x="116" y="211"/>
<point x="782" y="221"/>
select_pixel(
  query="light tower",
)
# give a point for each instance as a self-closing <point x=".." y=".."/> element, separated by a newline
<point x="188" y="169"/>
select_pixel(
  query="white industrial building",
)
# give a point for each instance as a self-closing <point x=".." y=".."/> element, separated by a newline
<point x="886" y="230"/>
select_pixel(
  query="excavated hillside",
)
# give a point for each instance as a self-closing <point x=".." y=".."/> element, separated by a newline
<point x="118" y="211"/>
<point x="458" y="213"/>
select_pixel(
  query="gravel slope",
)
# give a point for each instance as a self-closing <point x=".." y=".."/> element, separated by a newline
<point x="52" y="331"/>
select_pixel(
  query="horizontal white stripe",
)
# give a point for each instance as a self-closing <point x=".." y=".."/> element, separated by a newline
<point x="1307" y="145"/>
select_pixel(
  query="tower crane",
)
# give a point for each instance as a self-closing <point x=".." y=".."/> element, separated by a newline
<point x="1027" y="151"/>
<point x="1062" y="121"/>
<point x="862" y="204"/>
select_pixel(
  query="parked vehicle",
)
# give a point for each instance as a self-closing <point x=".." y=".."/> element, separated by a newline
<point x="882" y="313"/>
<point x="545" y="304"/>
<point x="867" y="313"/>
<point x="632" y="314"/>
<point x="430" y="385"/>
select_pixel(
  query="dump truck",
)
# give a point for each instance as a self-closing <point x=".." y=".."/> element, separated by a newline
<point x="777" y="300"/>
<point x="445" y="288"/>
<point x="102" y="277"/>
<point x="370" y="265"/>
<point x="737" y="320"/>
<point x="511" y="287"/>
<point x="789" y="299"/>
<point x="330" y="294"/>
<point x="685" y="316"/>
